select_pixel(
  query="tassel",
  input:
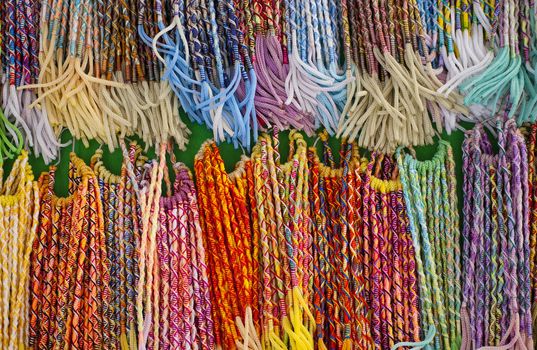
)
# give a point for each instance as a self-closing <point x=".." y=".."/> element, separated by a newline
<point x="271" y="94"/>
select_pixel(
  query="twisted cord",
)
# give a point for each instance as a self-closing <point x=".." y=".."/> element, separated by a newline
<point x="163" y="249"/>
<point x="496" y="264"/>
<point x="411" y="185"/>
<point x="409" y="268"/>
<point x="455" y="232"/>
<point x="267" y="305"/>
<point x="318" y="245"/>
<point x="206" y="328"/>
<point x="398" y="282"/>
<point x="387" y="268"/>
<point x="345" y="200"/>
<point x="256" y="249"/>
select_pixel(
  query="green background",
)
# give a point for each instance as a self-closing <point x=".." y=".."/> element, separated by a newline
<point x="199" y="133"/>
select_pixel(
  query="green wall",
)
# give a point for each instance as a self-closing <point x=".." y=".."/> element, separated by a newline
<point x="199" y="135"/>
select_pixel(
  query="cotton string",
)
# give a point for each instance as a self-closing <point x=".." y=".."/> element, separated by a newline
<point x="431" y="203"/>
<point x="531" y="138"/>
<point x="19" y="65"/>
<point x="230" y="248"/>
<point x="19" y="209"/>
<point x="498" y="181"/>
<point x="147" y="303"/>
<point x="388" y="250"/>
<point x="185" y="304"/>
<point x="122" y="230"/>
<point x="70" y="278"/>
<point x="286" y="259"/>
<point x="340" y="323"/>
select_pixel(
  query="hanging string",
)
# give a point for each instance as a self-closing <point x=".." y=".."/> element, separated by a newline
<point x="339" y="323"/>
<point x="223" y="103"/>
<point x="513" y="71"/>
<point x="11" y="141"/>
<point x="385" y="73"/>
<point x="89" y="49"/>
<point x="433" y="208"/>
<point x="19" y="205"/>
<point x="19" y="66"/>
<point x="531" y="137"/>
<point x="272" y="69"/>
<point x="185" y="313"/>
<point x="310" y="85"/>
<point x="69" y="268"/>
<point x="225" y="222"/>
<point x="286" y="246"/>
<point x="147" y="304"/>
<point x="122" y="230"/>
<point x="384" y="217"/>
<point x="391" y="68"/>
<point x="509" y="208"/>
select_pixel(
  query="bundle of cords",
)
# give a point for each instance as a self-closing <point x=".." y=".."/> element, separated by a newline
<point x="185" y="316"/>
<point x="11" y="141"/>
<point x="496" y="307"/>
<point x="122" y="231"/>
<point x="207" y="64"/>
<point x="271" y="65"/>
<point x="531" y="138"/>
<point x="389" y="258"/>
<point x="147" y="297"/>
<point x="340" y="308"/>
<point x="528" y="27"/>
<point x="93" y="75"/>
<point x="19" y="65"/>
<point x="462" y="42"/>
<point x="243" y="179"/>
<point x="512" y="72"/>
<point x="431" y="203"/>
<point x="231" y="248"/>
<point x="66" y="87"/>
<point x="282" y="193"/>
<point x="70" y="294"/>
<point x="315" y="84"/>
<point x="19" y="210"/>
<point x="397" y="75"/>
<point x="148" y="104"/>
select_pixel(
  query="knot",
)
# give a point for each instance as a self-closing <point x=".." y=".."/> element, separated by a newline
<point x="295" y="136"/>
<point x="323" y="135"/>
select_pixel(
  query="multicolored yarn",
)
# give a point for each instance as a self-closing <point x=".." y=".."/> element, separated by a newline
<point x="19" y="65"/>
<point x="287" y="269"/>
<point x="70" y="284"/>
<point x="509" y="316"/>
<point x="224" y="221"/>
<point x="338" y="301"/>
<point x="509" y="23"/>
<point x="392" y="66"/>
<point x="270" y="64"/>
<point x="433" y="210"/>
<point x="185" y="304"/>
<point x="386" y="73"/>
<point x="95" y="79"/>
<point x="122" y="228"/>
<point x="531" y="138"/>
<point x="301" y="253"/>
<point x="19" y="210"/>
<point x="388" y="279"/>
